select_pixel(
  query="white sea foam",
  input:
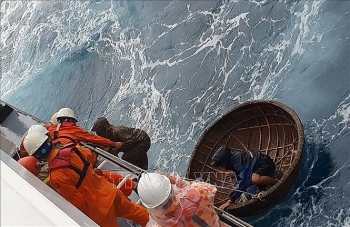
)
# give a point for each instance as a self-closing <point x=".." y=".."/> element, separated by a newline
<point x="175" y="77"/>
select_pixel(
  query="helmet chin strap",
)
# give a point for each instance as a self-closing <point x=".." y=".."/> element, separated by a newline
<point x="55" y="133"/>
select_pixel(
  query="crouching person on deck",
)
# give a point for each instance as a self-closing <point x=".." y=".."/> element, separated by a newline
<point x="136" y="142"/>
<point x="75" y="179"/>
<point x="172" y="201"/>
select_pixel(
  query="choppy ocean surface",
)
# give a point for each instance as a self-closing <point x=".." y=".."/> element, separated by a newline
<point x="174" y="67"/>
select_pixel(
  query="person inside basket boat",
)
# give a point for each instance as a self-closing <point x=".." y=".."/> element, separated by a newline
<point x="250" y="167"/>
<point x="73" y="177"/>
<point x="173" y="201"/>
<point x="136" y="142"/>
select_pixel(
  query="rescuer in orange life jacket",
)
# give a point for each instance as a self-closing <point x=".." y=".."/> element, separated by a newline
<point x="67" y="131"/>
<point x="37" y="128"/>
<point x="72" y="176"/>
<point x="27" y="162"/>
<point x="63" y="125"/>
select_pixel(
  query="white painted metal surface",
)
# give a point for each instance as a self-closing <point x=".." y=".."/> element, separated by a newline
<point x="22" y="203"/>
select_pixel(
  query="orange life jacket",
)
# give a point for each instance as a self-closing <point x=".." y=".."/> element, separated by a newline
<point x="63" y="157"/>
<point x="89" y="192"/>
<point x="91" y="158"/>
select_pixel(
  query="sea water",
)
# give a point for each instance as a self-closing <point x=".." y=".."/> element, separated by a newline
<point x="174" y="67"/>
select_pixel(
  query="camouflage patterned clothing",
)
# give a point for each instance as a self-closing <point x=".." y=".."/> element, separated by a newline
<point x="136" y="141"/>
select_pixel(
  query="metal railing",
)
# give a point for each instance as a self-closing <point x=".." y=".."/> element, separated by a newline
<point x="223" y="215"/>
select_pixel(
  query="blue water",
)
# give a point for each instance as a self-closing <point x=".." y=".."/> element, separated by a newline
<point x="173" y="68"/>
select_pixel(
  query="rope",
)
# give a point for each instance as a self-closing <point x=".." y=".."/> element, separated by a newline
<point x="138" y="171"/>
<point x="255" y="196"/>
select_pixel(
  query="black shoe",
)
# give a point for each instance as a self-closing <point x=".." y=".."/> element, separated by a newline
<point x="135" y="190"/>
<point x="135" y="179"/>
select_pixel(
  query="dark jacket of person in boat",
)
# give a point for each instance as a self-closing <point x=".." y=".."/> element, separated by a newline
<point x="243" y="164"/>
<point x="136" y="141"/>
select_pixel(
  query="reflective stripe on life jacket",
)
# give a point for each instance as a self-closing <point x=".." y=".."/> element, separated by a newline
<point x="62" y="160"/>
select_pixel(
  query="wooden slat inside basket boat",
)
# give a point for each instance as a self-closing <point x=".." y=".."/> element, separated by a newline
<point x="264" y="125"/>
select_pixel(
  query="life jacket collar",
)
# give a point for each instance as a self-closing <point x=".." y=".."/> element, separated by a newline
<point x="63" y="157"/>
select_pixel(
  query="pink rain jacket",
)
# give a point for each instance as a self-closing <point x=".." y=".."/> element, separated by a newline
<point x="193" y="201"/>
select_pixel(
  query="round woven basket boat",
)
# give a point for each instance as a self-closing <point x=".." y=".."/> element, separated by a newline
<point x="264" y="125"/>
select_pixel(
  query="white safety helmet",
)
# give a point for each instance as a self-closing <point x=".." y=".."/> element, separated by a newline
<point x="53" y="119"/>
<point x="38" y="128"/>
<point x="153" y="189"/>
<point x="66" y="112"/>
<point x="33" y="141"/>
